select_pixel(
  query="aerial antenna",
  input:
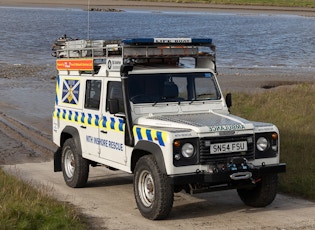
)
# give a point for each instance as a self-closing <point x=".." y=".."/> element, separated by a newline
<point x="88" y="23"/>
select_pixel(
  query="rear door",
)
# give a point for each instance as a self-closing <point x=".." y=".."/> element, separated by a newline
<point x="91" y="116"/>
<point x="112" y="126"/>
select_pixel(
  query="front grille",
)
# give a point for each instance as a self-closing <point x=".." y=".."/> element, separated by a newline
<point x="206" y="158"/>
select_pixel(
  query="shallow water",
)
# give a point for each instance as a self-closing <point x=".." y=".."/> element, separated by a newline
<point x="242" y="40"/>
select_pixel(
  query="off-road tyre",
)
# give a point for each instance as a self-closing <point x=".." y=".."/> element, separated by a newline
<point x="262" y="194"/>
<point x="153" y="193"/>
<point x="75" y="169"/>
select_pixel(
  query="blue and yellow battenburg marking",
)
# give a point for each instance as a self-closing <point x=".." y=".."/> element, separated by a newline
<point x="94" y="120"/>
<point x="111" y="123"/>
<point x="57" y="90"/>
<point x="150" y="135"/>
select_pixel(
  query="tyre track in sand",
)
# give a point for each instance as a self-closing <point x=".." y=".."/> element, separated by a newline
<point x="38" y="143"/>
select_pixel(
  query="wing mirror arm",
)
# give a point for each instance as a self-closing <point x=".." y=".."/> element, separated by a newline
<point x="113" y="106"/>
<point x="228" y="100"/>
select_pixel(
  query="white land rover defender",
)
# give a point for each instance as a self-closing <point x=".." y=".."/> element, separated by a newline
<point x="153" y="107"/>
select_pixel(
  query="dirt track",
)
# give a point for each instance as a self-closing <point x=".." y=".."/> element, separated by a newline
<point x="26" y="150"/>
<point x="108" y="198"/>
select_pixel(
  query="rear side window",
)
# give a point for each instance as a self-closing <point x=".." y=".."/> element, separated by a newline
<point x="92" y="94"/>
<point x="114" y="91"/>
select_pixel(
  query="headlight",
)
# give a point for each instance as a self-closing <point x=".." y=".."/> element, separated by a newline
<point x="262" y="144"/>
<point x="185" y="152"/>
<point x="188" y="150"/>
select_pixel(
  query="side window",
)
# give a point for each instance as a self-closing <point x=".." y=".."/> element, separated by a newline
<point x="114" y="91"/>
<point x="92" y="94"/>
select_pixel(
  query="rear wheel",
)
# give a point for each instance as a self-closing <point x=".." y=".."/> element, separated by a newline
<point x="262" y="194"/>
<point x="153" y="193"/>
<point x="75" y="169"/>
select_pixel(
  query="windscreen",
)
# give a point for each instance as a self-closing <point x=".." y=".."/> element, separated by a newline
<point x="179" y="87"/>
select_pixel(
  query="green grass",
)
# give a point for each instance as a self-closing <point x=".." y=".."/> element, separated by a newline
<point x="290" y="3"/>
<point x="292" y="110"/>
<point x="24" y="207"/>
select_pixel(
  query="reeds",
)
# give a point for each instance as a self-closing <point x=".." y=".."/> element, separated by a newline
<point x="23" y="206"/>
<point x="292" y="110"/>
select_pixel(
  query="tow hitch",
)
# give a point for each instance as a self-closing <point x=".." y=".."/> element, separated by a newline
<point x="239" y="164"/>
<point x="241" y="176"/>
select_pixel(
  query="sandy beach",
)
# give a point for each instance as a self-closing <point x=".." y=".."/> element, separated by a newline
<point x="143" y="5"/>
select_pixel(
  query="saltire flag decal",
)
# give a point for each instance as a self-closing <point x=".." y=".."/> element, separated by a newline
<point x="70" y="91"/>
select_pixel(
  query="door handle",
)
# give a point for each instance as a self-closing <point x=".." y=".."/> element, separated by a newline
<point x="104" y="131"/>
<point x="83" y="127"/>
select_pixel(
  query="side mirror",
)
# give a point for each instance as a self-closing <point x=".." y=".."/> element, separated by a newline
<point x="113" y="106"/>
<point x="228" y="100"/>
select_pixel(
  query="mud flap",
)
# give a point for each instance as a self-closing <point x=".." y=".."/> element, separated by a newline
<point x="57" y="160"/>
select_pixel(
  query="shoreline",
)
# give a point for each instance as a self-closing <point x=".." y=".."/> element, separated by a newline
<point x="163" y="6"/>
<point x="246" y="80"/>
<point x="250" y="80"/>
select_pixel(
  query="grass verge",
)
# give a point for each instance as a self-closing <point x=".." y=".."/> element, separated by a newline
<point x="292" y="110"/>
<point x="24" y="207"/>
<point x="283" y="3"/>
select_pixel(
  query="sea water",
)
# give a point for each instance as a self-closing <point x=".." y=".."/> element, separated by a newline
<point x="242" y="40"/>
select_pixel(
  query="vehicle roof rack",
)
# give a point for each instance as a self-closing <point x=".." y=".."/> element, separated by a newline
<point x="134" y="51"/>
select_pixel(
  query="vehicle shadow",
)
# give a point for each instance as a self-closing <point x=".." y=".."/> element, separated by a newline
<point x="206" y="204"/>
<point x="213" y="204"/>
<point x="106" y="178"/>
<point x="228" y="203"/>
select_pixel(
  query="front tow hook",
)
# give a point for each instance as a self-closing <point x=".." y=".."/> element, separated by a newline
<point x="241" y="176"/>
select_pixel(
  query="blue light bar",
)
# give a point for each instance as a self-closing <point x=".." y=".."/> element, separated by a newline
<point x="134" y="41"/>
<point x="151" y="41"/>
<point x="202" y="40"/>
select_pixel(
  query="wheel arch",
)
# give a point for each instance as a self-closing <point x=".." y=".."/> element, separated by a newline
<point x="71" y="132"/>
<point x="67" y="132"/>
<point x="143" y="148"/>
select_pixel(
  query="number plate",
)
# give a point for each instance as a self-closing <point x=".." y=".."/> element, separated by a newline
<point x="228" y="147"/>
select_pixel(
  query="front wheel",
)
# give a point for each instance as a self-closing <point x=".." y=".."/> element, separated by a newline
<point x="153" y="193"/>
<point x="262" y="194"/>
<point x="75" y="169"/>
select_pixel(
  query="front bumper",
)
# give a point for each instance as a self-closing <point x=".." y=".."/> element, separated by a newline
<point x="227" y="177"/>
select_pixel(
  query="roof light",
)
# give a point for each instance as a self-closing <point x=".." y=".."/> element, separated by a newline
<point x="202" y="40"/>
<point x="135" y="41"/>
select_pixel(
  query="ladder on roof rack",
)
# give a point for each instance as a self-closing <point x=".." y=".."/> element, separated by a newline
<point x="84" y="48"/>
